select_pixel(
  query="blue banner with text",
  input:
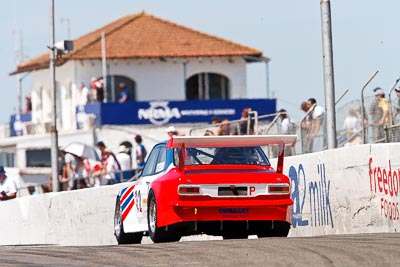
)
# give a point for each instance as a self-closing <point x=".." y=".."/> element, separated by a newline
<point x="163" y="112"/>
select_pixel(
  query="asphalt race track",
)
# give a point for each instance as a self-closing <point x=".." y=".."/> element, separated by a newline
<point x="340" y="250"/>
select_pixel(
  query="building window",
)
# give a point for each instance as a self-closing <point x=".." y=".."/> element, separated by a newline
<point x="7" y="159"/>
<point x="204" y="86"/>
<point x="113" y="87"/>
<point x="38" y="158"/>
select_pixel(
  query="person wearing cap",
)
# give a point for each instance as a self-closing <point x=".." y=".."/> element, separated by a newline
<point x="379" y="112"/>
<point x="8" y="186"/>
<point x="171" y="131"/>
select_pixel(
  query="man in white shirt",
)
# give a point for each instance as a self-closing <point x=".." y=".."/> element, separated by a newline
<point x="125" y="161"/>
<point x="123" y="158"/>
<point x="83" y="95"/>
<point x="8" y="186"/>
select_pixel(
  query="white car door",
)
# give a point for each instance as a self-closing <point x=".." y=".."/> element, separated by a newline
<point x="136" y="220"/>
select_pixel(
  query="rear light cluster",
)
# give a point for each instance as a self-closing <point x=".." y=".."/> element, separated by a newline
<point x="279" y="189"/>
<point x="189" y="190"/>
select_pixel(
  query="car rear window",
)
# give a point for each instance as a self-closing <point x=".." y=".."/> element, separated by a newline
<point x="223" y="155"/>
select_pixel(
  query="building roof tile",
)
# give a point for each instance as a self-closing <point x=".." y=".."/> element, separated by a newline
<point x="144" y="36"/>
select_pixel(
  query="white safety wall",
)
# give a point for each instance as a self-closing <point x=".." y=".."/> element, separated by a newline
<point x="342" y="191"/>
<point x="345" y="191"/>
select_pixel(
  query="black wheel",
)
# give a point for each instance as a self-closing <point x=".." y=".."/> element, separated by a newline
<point x="273" y="229"/>
<point x="120" y="235"/>
<point x="281" y="229"/>
<point x="158" y="234"/>
<point x="234" y="230"/>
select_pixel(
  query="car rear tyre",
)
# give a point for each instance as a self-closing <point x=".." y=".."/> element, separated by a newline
<point x="158" y="234"/>
<point x="235" y="230"/>
<point x="273" y="229"/>
<point x="120" y="235"/>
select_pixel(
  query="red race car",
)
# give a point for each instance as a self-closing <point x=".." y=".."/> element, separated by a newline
<point x="214" y="185"/>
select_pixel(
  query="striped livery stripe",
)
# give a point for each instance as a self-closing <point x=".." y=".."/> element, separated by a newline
<point x="126" y="201"/>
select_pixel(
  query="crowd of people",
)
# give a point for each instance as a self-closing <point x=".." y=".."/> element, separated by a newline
<point x="79" y="172"/>
<point x="82" y="172"/>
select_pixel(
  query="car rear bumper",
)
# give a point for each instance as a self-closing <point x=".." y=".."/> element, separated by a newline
<point x="228" y="210"/>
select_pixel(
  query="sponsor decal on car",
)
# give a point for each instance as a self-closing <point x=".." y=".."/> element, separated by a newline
<point x="127" y="201"/>
<point x="233" y="210"/>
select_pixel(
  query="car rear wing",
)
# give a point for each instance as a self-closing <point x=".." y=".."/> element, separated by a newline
<point x="233" y="141"/>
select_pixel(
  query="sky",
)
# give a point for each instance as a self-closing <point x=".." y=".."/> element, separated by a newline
<point x="365" y="39"/>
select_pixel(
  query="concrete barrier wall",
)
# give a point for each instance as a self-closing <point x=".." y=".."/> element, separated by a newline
<point x="342" y="191"/>
<point x="82" y="217"/>
<point x="345" y="191"/>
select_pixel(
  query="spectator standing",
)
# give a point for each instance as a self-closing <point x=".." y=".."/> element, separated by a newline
<point x="62" y="171"/>
<point x="397" y="105"/>
<point x="317" y="122"/>
<point x="102" y="147"/>
<point x="171" y="131"/>
<point x="111" y="167"/>
<point x="74" y="172"/>
<point x="125" y="163"/>
<point x="287" y="127"/>
<point x="244" y="126"/>
<point x="103" y="160"/>
<point x="352" y="127"/>
<point x="32" y="190"/>
<point x="306" y="126"/>
<point x="123" y="158"/>
<point x="8" y="186"/>
<point x="123" y="93"/>
<point x="379" y="112"/>
<point x="215" y="121"/>
<point x="141" y="152"/>
<point x="84" y="97"/>
<point x="98" y="87"/>
<point x="28" y="104"/>
<point x="223" y="128"/>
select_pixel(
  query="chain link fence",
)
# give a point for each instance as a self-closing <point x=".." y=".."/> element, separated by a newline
<point x="376" y="122"/>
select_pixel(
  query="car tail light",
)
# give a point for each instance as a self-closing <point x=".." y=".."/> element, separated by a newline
<point x="279" y="189"/>
<point x="188" y="190"/>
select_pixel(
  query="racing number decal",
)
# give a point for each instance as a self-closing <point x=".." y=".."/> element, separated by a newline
<point x="138" y="200"/>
